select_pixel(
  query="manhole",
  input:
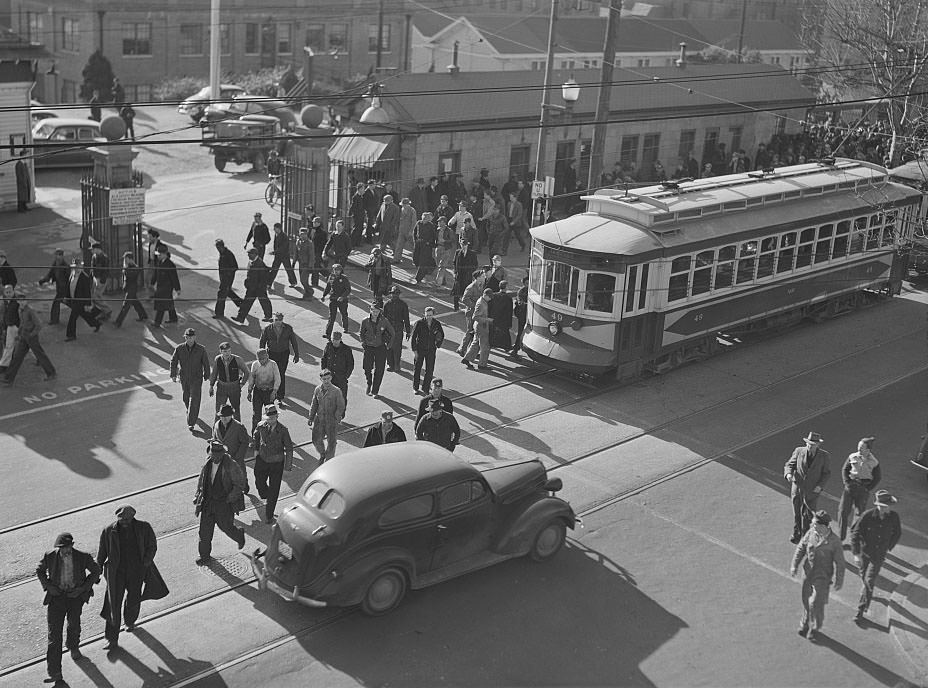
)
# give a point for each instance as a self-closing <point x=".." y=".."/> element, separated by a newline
<point x="234" y="565"/>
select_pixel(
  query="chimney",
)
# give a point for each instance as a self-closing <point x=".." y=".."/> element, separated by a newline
<point x="453" y="67"/>
<point x="681" y="61"/>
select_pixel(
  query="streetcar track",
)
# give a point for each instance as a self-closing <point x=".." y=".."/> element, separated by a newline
<point x="591" y="509"/>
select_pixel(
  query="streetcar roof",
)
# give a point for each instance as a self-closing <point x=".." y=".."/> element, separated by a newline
<point x="669" y="206"/>
<point x="598" y="234"/>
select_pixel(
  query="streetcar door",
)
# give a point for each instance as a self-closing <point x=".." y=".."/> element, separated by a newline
<point x="636" y="324"/>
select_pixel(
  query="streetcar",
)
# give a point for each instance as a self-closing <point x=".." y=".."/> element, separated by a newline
<point x="651" y="278"/>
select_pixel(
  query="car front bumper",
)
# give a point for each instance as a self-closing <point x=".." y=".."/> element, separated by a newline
<point x="265" y="582"/>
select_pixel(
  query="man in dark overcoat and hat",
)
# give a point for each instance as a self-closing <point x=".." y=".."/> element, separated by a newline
<point x="127" y="557"/>
<point x="220" y="495"/>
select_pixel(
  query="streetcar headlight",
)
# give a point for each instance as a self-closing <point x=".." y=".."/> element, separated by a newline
<point x="554" y="328"/>
<point x="576" y="324"/>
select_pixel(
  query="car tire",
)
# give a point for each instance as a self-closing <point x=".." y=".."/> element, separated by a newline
<point x="220" y="163"/>
<point x="385" y="592"/>
<point x="548" y="541"/>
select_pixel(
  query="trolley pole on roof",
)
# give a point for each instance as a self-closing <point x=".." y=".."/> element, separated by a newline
<point x="545" y="103"/>
<point x="605" y="95"/>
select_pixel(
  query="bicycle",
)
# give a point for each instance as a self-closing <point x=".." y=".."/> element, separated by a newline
<point x="274" y="191"/>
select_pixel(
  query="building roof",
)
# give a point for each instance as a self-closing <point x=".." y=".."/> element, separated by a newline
<point x="529" y="35"/>
<point x="479" y="99"/>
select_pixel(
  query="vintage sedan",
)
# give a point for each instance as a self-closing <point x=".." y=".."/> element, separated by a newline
<point x="81" y="133"/>
<point x="374" y="523"/>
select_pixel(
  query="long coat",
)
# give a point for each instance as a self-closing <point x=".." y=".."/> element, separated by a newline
<point x="806" y="478"/>
<point x="233" y="484"/>
<point x="166" y="283"/>
<point x="108" y="555"/>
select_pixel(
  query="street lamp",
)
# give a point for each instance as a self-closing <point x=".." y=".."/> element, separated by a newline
<point x="374" y="114"/>
<point x="570" y="93"/>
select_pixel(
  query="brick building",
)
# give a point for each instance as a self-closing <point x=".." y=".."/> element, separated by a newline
<point x="146" y="42"/>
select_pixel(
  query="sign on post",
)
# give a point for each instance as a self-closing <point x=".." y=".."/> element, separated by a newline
<point x="538" y="189"/>
<point x="127" y="206"/>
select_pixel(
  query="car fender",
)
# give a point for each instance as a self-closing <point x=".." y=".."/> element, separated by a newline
<point x="352" y="577"/>
<point x="518" y="536"/>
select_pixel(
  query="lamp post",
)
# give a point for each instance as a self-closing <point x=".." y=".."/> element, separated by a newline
<point x="570" y="94"/>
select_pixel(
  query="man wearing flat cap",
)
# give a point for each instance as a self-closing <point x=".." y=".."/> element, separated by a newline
<point x="273" y="456"/>
<point x="384" y="432"/>
<point x="376" y="337"/>
<point x="256" y="281"/>
<point x="234" y="436"/>
<point x="67" y="576"/>
<point x="191" y="362"/>
<point x="219" y="496"/>
<point x="874" y="534"/>
<point x="259" y="235"/>
<point x="807" y="470"/>
<point x="822" y="557"/>
<point x="127" y="557"/>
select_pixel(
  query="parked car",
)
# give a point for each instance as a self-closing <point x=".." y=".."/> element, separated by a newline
<point x="195" y="105"/>
<point x="250" y="105"/>
<point x="82" y="132"/>
<point x="370" y="525"/>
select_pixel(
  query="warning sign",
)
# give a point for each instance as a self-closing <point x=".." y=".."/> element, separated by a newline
<point x="127" y="206"/>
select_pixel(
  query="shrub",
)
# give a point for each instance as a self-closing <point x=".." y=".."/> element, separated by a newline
<point x="98" y="76"/>
<point x="176" y="89"/>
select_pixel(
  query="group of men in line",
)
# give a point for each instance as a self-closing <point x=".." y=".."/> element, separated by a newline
<point x="819" y="550"/>
<point x="125" y="557"/>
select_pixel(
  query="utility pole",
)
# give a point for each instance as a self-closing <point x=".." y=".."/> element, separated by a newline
<point x="744" y="14"/>
<point x="214" y="41"/>
<point x="545" y="98"/>
<point x="379" y="34"/>
<point x="605" y="95"/>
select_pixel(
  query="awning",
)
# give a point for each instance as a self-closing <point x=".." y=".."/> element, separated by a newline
<point x="355" y="149"/>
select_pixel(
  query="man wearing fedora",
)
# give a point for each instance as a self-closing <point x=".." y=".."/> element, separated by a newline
<point x="230" y="432"/>
<point x="807" y="470"/>
<point x="273" y="456"/>
<point x="219" y="496"/>
<point x="822" y="557"/>
<point x="191" y="361"/>
<point x="67" y="576"/>
<point x="397" y="312"/>
<point x="876" y="532"/>
<point x="127" y="557"/>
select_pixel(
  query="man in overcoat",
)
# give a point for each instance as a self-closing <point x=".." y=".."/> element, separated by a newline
<point x="193" y="362"/>
<point x="166" y="282"/>
<point x="67" y="576"/>
<point x="80" y="288"/>
<point x="59" y="273"/>
<point x="228" y="269"/>
<point x="232" y="433"/>
<point x="127" y="557"/>
<point x="219" y="496"/>
<point x="807" y="470"/>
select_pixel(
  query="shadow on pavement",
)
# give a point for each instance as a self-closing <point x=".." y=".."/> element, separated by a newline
<point x="878" y="672"/>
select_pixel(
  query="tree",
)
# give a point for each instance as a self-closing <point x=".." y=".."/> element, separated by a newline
<point x="98" y="76"/>
<point x="875" y="49"/>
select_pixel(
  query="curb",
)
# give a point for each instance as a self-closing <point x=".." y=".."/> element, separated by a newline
<point x="911" y="595"/>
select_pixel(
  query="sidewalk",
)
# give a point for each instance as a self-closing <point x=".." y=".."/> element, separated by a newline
<point x="908" y="621"/>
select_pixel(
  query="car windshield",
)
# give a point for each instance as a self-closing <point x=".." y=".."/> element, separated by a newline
<point x="44" y="130"/>
<point x="320" y="496"/>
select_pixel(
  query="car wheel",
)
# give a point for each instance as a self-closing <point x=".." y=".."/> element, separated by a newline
<point x="549" y="541"/>
<point x="220" y="163"/>
<point x="384" y="594"/>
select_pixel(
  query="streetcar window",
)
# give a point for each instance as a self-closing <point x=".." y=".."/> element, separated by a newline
<point x="787" y="252"/>
<point x="804" y="252"/>
<point x="561" y="283"/>
<point x="873" y="235"/>
<point x="768" y="253"/>
<point x="839" y="250"/>
<point x="725" y="272"/>
<point x="630" y="286"/>
<point x="889" y="231"/>
<point x="747" y="261"/>
<point x="702" y="272"/>
<point x="679" y="278"/>
<point x="860" y="233"/>
<point x="536" y="273"/>
<point x="823" y="246"/>
<point x="600" y="292"/>
<point x="643" y="287"/>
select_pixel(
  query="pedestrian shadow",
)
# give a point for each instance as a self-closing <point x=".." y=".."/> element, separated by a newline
<point x="876" y="671"/>
<point x="171" y="667"/>
<point x="93" y="674"/>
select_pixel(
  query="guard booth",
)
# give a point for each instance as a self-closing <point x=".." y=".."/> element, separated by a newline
<point x="112" y="207"/>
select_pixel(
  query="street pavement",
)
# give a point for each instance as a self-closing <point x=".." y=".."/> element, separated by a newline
<point x="678" y="578"/>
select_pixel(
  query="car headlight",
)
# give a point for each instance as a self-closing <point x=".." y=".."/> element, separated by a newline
<point x="554" y="328"/>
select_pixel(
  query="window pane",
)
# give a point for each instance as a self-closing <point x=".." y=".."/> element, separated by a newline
<point x="727" y="253"/>
<point x="678" y="286"/>
<point x="454" y="497"/>
<point x="338" y="36"/>
<point x="631" y="285"/>
<point x="410" y="510"/>
<point x="889" y="231"/>
<point x="561" y="283"/>
<point x="315" y="37"/>
<point x="747" y="262"/>
<point x="251" y="39"/>
<point x="643" y="285"/>
<point x="785" y="259"/>
<point x="600" y="292"/>
<point x="536" y="274"/>
<point x="681" y="264"/>
<point x="284" y="45"/>
<point x="823" y="246"/>
<point x="191" y="39"/>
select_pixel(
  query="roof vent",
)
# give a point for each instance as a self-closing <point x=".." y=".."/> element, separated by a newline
<point x="453" y="67"/>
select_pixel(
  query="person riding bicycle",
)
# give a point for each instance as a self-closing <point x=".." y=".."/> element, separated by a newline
<point x="273" y="164"/>
<point x="273" y="176"/>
